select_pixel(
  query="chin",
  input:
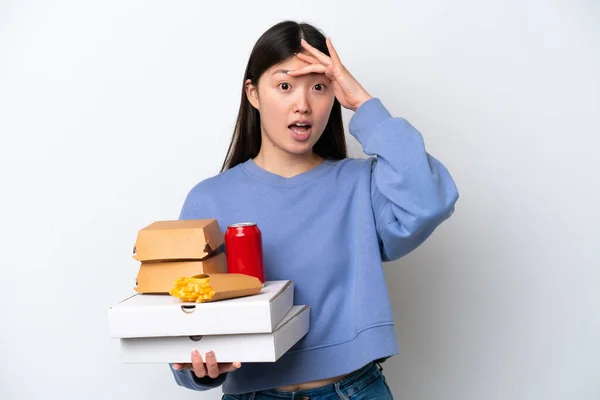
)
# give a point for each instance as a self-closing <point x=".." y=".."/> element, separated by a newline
<point x="299" y="150"/>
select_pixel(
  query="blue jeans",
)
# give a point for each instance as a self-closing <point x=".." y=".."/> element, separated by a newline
<point x="368" y="383"/>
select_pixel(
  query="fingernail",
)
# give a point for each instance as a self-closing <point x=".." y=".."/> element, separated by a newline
<point x="210" y="354"/>
<point x="195" y="353"/>
<point x="176" y="367"/>
<point x="237" y="364"/>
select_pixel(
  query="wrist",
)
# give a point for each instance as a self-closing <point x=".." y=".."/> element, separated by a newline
<point x="363" y="99"/>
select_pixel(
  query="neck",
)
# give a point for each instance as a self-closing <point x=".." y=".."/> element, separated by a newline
<point x="287" y="165"/>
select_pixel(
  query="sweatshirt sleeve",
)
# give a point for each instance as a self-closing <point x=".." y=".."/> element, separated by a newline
<point x="412" y="193"/>
<point x="186" y="378"/>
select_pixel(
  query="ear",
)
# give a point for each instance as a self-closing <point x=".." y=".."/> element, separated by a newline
<point x="252" y="93"/>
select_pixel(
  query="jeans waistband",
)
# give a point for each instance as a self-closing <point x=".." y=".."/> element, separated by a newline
<point x="346" y="386"/>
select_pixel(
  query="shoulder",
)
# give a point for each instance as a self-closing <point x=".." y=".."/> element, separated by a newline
<point x="203" y="199"/>
<point x="215" y="184"/>
<point x="353" y="166"/>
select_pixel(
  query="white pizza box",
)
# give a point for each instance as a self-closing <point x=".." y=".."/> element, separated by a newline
<point x="249" y="347"/>
<point x="159" y="315"/>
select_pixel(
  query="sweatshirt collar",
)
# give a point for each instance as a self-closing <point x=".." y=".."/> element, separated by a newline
<point x="263" y="175"/>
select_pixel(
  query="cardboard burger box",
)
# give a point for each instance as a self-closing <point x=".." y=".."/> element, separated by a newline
<point x="178" y="240"/>
<point x="169" y="250"/>
<point x="159" y="276"/>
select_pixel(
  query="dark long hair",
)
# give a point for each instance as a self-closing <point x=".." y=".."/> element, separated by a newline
<point x="276" y="45"/>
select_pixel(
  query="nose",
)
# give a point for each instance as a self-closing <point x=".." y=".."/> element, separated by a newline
<point x="302" y="105"/>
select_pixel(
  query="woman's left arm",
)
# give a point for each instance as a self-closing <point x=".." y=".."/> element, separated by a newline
<point x="412" y="193"/>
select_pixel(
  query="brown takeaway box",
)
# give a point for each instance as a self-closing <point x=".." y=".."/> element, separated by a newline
<point x="229" y="286"/>
<point x="159" y="277"/>
<point x="178" y="240"/>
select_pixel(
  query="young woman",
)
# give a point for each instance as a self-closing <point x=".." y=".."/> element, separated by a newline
<point x="327" y="221"/>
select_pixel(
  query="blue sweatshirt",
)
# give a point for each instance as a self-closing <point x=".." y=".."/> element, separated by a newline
<point x="328" y="230"/>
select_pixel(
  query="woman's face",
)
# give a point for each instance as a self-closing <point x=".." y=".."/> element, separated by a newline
<point x="293" y="110"/>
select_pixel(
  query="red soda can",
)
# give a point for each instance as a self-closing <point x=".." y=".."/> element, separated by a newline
<point x="243" y="248"/>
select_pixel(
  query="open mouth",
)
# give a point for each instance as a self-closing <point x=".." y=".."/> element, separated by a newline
<point x="300" y="131"/>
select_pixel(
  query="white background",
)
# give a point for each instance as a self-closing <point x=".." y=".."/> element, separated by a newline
<point x="110" y="111"/>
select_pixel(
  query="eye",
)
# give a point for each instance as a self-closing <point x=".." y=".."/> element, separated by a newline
<point x="285" y="86"/>
<point x="320" y="87"/>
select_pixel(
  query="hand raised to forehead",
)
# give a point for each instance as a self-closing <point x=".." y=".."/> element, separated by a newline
<point x="346" y="88"/>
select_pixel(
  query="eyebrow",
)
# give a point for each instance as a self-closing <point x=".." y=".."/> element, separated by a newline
<point x="281" y="71"/>
<point x="285" y="71"/>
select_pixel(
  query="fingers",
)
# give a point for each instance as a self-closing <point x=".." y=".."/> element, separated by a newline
<point x="180" y="366"/>
<point x="211" y="365"/>
<point x="309" y="69"/>
<point x="212" y="368"/>
<point x="230" y="367"/>
<point x="334" y="55"/>
<point x="308" y="59"/>
<point x="198" y="364"/>
<point x="324" y="59"/>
